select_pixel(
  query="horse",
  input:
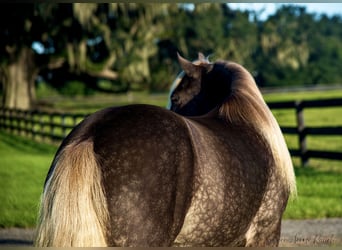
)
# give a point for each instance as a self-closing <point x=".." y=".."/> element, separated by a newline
<point x="213" y="170"/>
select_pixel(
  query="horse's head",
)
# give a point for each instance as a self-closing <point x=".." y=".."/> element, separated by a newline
<point x="199" y="88"/>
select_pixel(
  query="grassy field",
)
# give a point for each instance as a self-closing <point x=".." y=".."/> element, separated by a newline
<point x="319" y="184"/>
<point x="24" y="164"/>
<point x="23" y="167"/>
<point x="319" y="191"/>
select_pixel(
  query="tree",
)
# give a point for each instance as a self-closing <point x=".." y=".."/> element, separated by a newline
<point x="134" y="45"/>
<point x="134" y="40"/>
<point x="18" y="67"/>
<point x="241" y="35"/>
<point x="283" y="50"/>
<point x="113" y="42"/>
<point x="28" y="25"/>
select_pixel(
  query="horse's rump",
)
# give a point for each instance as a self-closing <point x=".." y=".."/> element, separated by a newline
<point x="233" y="166"/>
<point x="146" y="160"/>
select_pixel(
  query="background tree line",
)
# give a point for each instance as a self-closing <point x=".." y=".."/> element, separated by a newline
<point x="119" y="47"/>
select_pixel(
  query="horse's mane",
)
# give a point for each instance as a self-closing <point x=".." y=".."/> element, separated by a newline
<point x="245" y="104"/>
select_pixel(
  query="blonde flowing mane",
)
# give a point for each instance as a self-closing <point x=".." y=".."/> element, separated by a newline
<point x="246" y="105"/>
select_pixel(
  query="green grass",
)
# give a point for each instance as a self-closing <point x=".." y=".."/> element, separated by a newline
<point x="319" y="191"/>
<point x="24" y="164"/>
<point x="23" y="167"/>
<point x="302" y="95"/>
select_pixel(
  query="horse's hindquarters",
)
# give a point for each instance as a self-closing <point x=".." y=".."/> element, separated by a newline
<point x="146" y="160"/>
<point x="233" y="166"/>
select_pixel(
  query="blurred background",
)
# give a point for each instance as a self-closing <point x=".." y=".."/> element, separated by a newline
<point x="87" y="48"/>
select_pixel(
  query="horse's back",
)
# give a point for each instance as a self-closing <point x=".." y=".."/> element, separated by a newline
<point x="146" y="159"/>
<point x="232" y="171"/>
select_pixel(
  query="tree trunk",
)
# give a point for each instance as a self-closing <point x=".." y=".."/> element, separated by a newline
<point x="77" y="56"/>
<point x="18" y="78"/>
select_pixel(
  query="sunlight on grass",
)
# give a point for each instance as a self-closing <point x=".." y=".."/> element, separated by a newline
<point x="24" y="165"/>
<point x="302" y="95"/>
<point x="319" y="191"/>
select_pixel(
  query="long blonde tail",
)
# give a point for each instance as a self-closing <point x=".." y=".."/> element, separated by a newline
<point x="73" y="209"/>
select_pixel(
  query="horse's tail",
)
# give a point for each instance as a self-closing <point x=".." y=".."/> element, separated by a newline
<point x="73" y="208"/>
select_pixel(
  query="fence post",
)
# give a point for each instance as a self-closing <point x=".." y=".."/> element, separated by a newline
<point x="64" y="134"/>
<point x="41" y="126"/>
<point x="74" y="117"/>
<point x="33" y="129"/>
<point x="11" y="120"/>
<point x="301" y="132"/>
<point x="52" y="126"/>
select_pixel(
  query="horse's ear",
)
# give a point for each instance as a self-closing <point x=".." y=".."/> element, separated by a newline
<point x="188" y="67"/>
<point x="207" y="65"/>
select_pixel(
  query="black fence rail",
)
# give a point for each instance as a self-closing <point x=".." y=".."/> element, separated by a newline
<point x="303" y="131"/>
<point x="55" y="126"/>
<point x="47" y="126"/>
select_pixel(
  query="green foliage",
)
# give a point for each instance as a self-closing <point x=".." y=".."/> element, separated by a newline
<point x="301" y="48"/>
<point x="75" y="88"/>
<point x="43" y="89"/>
<point x="134" y="45"/>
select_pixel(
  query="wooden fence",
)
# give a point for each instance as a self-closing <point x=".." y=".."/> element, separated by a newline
<point x="55" y="126"/>
<point x="303" y="131"/>
<point x="38" y="125"/>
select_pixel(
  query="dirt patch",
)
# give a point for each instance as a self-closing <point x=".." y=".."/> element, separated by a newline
<point x="319" y="232"/>
<point x="16" y="237"/>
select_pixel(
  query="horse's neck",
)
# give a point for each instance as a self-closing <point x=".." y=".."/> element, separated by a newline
<point x="213" y="114"/>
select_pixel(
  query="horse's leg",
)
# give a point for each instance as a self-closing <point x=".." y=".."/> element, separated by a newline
<point x="145" y="211"/>
<point x="266" y="225"/>
<point x="262" y="235"/>
<point x="146" y="201"/>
